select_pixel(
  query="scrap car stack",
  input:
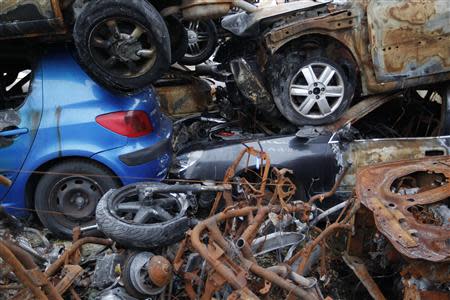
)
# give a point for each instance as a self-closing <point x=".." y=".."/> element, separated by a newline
<point x="224" y="149"/>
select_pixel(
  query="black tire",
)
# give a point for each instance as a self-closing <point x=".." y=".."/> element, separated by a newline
<point x="178" y="38"/>
<point x="207" y="49"/>
<point x="95" y="60"/>
<point x="49" y="187"/>
<point x="283" y="72"/>
<point x="134" y="235"/>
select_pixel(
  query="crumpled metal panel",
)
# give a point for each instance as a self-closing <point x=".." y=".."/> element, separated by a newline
<point x="30" y="18"/>
<point x="25" y="10"/>
<point x="362" y="153"/>
<point x="402" y="196"/>
<point x="409" y="37"/>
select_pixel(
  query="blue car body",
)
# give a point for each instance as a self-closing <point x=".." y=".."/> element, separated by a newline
<point x="58" y="121"/>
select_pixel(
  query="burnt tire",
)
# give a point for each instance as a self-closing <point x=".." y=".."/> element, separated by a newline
<point x="64" y="181"/>
<point x="285" y="73"/>
<point x="134" y="235"/>
<point x="97" y="51"/>
<point x="207" y="48"/>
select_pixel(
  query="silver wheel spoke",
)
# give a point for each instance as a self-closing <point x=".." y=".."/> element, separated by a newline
<point x="202" y="36"/>
<point x="310" y="77"/>
<point x="324" y="107"/>
<point x="334" y="91"/>
<point x="299" y="90"/>
<point x="327" y="75"/>
<point x="196" y="48"/>
<point x="146" y="53"/>
<point x="307" y="105"/>
<point x="100" y="43"/>
<point x="137" y="32"/>
<point x="113" y="28"/>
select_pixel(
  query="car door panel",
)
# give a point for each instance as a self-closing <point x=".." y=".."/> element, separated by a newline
<point x="29" y="18"/>
<point x="18" y="129"/>
<point x="409" y="38"/>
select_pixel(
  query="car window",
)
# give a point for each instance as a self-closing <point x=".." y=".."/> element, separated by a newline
<point x="15" y="79"/>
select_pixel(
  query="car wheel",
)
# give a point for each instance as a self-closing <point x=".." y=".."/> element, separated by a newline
<point x="123" y="44"/>
<point x="155" y="222"/>
<point x="312" y="91"/>
<point x="202" y="41"/>
<point x="135" y="276"/>
<point x="67" y="195"/>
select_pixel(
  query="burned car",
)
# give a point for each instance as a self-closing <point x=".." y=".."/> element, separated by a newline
<point x="318" y="56"/>
<point x="124" y="45"/>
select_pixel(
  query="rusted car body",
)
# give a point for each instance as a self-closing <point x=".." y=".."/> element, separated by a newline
<point x="31" y="18"/>
<point x="395" y="44"/>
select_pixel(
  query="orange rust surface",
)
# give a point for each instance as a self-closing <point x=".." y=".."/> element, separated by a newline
<point x="159" y="270"/>
<point x="392" y="211"/>
<point x="395" y="44"/>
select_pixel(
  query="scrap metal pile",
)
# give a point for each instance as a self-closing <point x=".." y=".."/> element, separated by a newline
<point x="248" y="237"/>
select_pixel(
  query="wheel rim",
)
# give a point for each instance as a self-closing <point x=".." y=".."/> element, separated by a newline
<point x="198" y="38"/>
<point x="317" y="90"/>
<point x="122" y="47"/>
<point x="158" y="208"/>
<point x="75" y="198"/>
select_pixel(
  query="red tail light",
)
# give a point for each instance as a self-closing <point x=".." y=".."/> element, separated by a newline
<point x="133" y="124"/>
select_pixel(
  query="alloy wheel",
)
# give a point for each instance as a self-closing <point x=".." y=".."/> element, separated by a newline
<point x="122" y="47"/>
<point x="317" y="90"/>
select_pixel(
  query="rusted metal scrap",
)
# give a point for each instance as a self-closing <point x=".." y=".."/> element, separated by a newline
<point x="253" y="191"/>
<point x="407" y="199"/>
<point x="230" y="261"/>
<point x="45" y="285"/>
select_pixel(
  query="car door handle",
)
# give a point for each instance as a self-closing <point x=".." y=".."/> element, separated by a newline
<point x="13" y="132"/>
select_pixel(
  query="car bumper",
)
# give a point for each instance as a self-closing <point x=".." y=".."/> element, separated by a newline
<point x="147" y="159"/>
<point x="148" y="154"/>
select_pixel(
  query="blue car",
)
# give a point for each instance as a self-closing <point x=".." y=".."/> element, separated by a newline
<point x="65" y="140"/>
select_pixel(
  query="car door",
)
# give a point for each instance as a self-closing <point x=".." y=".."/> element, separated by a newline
<point x="409" y="38"/>
<point x="28" y="18"/>
<point x="20" y="115"/>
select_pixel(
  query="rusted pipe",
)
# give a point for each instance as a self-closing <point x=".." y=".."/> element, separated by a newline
<point x="20" y="271"/>
<point x="245" y="249"/>
<point x="284" y="284"/>
<point x="286" y="272"/>
<point x="306" y="252"/>
<point x="253" y="227"/>
<point x="330" y="193"/>
<point x="224" y="271"/>
<point x="24" y="257"/>
<point x="61" y="260"/>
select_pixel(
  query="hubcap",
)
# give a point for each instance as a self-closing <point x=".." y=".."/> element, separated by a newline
<point x="317" y="90"/>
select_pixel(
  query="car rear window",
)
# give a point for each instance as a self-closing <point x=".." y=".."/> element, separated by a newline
<point x="15" y="79"/>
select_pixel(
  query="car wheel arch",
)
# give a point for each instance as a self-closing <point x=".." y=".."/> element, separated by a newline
<point x="36" y="175"/>
<point x="314" y="43"/>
